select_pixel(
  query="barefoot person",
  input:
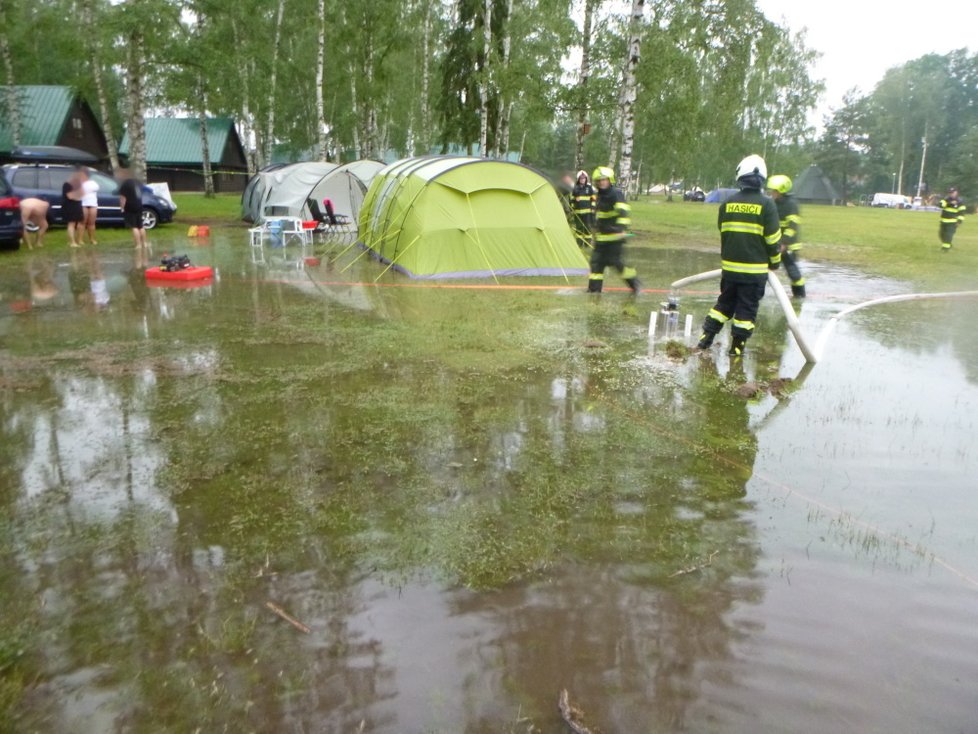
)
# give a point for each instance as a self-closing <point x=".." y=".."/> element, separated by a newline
<point x="34" y="213"/>
<point x="131" y="203"/>
<point x="71" y="208"/>
<point x="89" y="202"/>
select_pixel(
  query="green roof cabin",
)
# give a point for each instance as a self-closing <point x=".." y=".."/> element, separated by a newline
<point x="50" y="115"/>
<point x="174" y="154"/>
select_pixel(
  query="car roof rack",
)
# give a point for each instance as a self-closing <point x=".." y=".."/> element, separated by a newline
<point x="51" y="154"/>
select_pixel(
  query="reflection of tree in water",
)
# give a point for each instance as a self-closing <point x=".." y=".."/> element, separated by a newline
<point x="656" y="554"/>
<point x="300" y="460"/>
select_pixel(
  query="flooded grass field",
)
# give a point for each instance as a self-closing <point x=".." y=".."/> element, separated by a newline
<point x="308" y="497"/>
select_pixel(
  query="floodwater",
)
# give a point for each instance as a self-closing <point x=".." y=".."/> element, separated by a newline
<point x="312" y="497"/>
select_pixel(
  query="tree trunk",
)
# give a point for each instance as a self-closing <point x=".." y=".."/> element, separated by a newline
<point x="272" y="80"/>
<point x="88" y="24"/>
<point x="484" y="81"/>
<point x="247" y="127"/>
<point x="205" y="153"/>
<point x="320" y="69"/>
<point x="502" y="120"/>
<point x="205" y="148"/>
<point x="425" y="136"/>
<point x="582" y="83"/>
<point x="137" y="112"/>
<point x="357" y="151"/>
<point x="370" y="133"/>
<point x="629" y="94"/>
<point x="12" y="103"/>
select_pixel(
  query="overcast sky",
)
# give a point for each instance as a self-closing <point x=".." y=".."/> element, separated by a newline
<point x="861" y="39"/>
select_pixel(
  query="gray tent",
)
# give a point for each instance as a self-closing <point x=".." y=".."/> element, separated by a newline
<point x="285" y="189"/>
<point x="814" y="187"/>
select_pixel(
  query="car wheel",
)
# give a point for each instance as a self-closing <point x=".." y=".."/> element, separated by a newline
<point x="149" y="218"/>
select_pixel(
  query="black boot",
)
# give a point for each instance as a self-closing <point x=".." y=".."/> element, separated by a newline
<point x="737" y="346"/>
<point x="635" y="284"/>
<point x="798" y="291"/>
<point x="706" y="340"/>
<point x="594" y="285"/>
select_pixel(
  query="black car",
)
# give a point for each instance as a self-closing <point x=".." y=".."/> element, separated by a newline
<point x="45" y="181"/>
<point x="11" y="226"/>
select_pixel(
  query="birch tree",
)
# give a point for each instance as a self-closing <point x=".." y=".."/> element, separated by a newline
<point x="320" y="67"/>
<point x="11" y="103"/>
<point x="484" y="80"/>
<point x="629" y="94"/>
<point x="584" y="76"/>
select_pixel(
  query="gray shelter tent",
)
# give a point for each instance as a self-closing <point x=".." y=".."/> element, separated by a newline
<point x="254" y="193"/>
<point x="286" y="189"/>
<point x="814" y="187"/>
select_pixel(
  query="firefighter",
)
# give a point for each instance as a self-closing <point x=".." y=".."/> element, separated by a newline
<point x="952" y="214"/>
<point x="750" y="236"/>
<point x="612" y="220"/>
<point x="582" y="204"/>
<point x="780" y="188"/>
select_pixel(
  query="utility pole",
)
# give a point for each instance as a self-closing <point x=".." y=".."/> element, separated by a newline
<point x="923" y="160"/>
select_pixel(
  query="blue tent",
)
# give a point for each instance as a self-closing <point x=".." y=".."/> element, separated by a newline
<point x="718" y="196"/>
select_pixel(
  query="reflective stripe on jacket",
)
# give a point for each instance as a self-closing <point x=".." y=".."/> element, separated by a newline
<point x="582" y="199"/>
<point x="790" y="218"/>
<point x="952" y="210"/>
<point x="750" y="235"/>
<point x="613" y="215"/>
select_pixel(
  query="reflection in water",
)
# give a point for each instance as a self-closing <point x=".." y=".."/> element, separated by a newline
<point x="471" y="498"/>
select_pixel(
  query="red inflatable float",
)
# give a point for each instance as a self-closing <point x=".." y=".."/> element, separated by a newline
<point x="194" y="272"/>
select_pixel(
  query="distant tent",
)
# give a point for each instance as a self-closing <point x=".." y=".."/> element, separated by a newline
<point x="461" y="217"/>
<point x="814" y="187"/>
<point x="718" y="196"/>
<point x="286" y="188"/>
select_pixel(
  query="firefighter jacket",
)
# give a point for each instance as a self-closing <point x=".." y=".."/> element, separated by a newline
<point x="750" y="236"/>
<point x="952" y="210"/>
<point x="613" y="216"/>
<point x="582" y="199"/>
<point x="790" y="217"/>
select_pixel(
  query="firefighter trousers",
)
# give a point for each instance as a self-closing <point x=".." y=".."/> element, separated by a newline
<point x="737" y="301"/>
<point x="947" y="234"/>
<point x="610" y="254"/>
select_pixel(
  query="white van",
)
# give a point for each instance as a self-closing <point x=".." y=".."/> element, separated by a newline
<point x="891" y="201"/>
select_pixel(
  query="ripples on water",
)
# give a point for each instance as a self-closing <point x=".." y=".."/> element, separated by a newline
<point x="472" y="499"/>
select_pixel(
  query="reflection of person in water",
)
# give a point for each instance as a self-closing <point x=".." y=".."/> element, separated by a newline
<point x="87" y="281"/>
<point x="43" y="287"/>
<point x="137" y="278"/>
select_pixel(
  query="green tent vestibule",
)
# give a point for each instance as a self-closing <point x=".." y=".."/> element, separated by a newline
<point x="462" y="217"/>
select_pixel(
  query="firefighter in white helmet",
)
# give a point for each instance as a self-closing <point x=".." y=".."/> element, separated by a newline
<point x="750" y="234"/>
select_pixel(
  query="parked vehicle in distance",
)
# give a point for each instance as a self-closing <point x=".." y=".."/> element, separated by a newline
<point x="44" y="181"/>
<point x="694" y="194"/>
<point x="891" y="201"/>
<point x="11" y="226"/>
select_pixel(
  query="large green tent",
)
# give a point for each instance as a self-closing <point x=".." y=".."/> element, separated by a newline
<point x="460" y="217"/>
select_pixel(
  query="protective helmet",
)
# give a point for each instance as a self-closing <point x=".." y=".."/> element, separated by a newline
<point x="582" y="173"/>
<point x="780" y="183"/>
<point x="752" y="165"/>
<point x="603" y="172"/>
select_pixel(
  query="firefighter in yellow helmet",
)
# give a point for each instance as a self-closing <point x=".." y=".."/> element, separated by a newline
<point x="750" y="236"/>
<point x="612" y="222"/>
<point x="779" y="187"/>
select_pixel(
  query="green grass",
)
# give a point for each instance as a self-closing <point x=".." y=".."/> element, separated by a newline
<point x="195" y="207"/>
<point x="895" y="243"/>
